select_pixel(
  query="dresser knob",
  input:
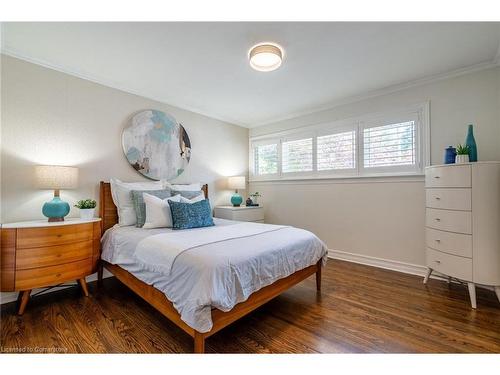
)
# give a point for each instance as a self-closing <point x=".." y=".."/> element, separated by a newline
<point x="437" y="219"/>
<point x="437" y="198"/>
<point x="438" y="261"/>
<point x="437" y="176"/>
<point x="58" y="275"/>
<point x="438" y="240"/>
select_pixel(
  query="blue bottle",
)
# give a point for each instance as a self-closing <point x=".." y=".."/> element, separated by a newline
<point x="471" y="143"/>
<point x="449" y="155"/>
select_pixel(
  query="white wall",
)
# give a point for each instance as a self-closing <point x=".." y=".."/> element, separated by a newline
<point x="384" y="218"/>
<point x="53" y="118"/>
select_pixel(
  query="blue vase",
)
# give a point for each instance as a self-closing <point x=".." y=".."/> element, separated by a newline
<point x="236" y="200"/>
<point x="56" y="209"/>
<point x="449" y="155"/>
<point x="471" y="143"/>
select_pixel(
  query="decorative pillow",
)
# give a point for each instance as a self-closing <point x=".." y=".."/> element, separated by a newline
<point x="190" y="194"/>
<point x="158" y="213"/>
<point x="198" y="198"/>
<point x="191" y="215"/>
<point x="120" y="192"/>
<point x="140" y="206"/>
<point x="184" y="187"/>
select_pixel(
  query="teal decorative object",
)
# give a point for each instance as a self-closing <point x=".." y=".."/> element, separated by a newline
<point x="236" y="200"/>
<point x="471" y="143"/>
<point x="56" y="209"/>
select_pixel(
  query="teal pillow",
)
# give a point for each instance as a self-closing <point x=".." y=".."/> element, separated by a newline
<point x="140" y="206"/>
<point x="191" y="215"/>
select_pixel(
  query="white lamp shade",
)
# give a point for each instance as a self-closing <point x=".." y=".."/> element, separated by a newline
<point x="236" y="182"/>
<point x="56" y="177"/>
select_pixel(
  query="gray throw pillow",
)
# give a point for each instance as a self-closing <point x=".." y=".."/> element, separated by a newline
<point x="140" y="206"/>
<point x="187" y="194"/>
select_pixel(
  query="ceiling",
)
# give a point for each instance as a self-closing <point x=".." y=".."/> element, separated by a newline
<point x="203" y="67"/>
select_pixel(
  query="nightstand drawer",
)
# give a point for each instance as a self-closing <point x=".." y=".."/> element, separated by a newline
<point x="44" y="276"/>
<point x="50" y="256"/>
<point x="255" y="214"/>
<point x="56" y="235"/>
<point x="457" y="176"/>
<point x="451" y="265"/>
<point x="452" y="221"/>
<point x="451" y="243"/>
<point x="450" y="199"/>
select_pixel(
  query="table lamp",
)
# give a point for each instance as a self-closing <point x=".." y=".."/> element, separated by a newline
<point x="56" y="177"/>
<point x="236" y="182"/>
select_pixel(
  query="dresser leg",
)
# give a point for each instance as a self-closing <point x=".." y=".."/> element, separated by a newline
<point x="472" y="294"/>
<point x="83" y="284"/>
<point x="25" y="297"/>
<point x="497" y="291"/>
<point x="427" y="275"/>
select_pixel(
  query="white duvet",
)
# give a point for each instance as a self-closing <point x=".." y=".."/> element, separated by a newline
<point x="216" y="267"/>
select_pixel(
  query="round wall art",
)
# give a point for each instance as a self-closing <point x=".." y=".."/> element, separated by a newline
<point x="156" y="145"/>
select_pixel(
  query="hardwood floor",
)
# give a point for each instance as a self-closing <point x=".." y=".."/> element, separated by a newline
<point x="360" y="310"/>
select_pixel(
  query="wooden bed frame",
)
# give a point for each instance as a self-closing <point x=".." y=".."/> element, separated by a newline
<point x="157" y="299"/>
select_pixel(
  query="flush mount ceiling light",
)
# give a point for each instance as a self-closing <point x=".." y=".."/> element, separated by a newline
<point x="265" y="57"/>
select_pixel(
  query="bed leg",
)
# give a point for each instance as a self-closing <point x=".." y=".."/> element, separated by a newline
<point x="199" y="343"/>
<point x="318" y="276"/>
<point x="100" y="270"/>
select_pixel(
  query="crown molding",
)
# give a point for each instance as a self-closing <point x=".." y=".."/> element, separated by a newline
<point x="387" y="90"/>
<point x="327" y="106"/>
<point x="12" y="53"/>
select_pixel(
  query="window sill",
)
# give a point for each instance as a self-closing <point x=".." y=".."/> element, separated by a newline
<point x="375" y="178"/>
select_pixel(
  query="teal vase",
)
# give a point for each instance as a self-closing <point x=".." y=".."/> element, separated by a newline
<point x="236" y="200"/>
<point x="471" y="143"/>
<point x="56" y="209"/>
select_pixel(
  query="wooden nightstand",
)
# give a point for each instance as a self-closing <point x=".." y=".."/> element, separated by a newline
<point x="242" y="213"/>
<point x="37" y="254"/>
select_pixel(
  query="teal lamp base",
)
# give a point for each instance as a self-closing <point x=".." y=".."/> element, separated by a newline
<point x="56" y="209"/>
<point x="236" y="200"/>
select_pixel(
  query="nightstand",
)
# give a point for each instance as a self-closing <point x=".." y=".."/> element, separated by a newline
<point x="242" y="213"/>
<point x="36" y="254"/>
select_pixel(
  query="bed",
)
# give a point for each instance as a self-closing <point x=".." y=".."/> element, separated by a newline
<point x="215" y="283"/>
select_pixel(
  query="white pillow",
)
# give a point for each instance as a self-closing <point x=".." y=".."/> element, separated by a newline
<point x="198" y="198"/>
<point x="188" y="187"/>
<point x="158" y="213"/>
<point x="120" y="192"/>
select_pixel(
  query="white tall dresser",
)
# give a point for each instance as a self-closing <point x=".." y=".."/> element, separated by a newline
<point x="463" y="223"/>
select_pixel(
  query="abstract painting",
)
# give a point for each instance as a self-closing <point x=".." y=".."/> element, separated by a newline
<point x="156" y="145"/>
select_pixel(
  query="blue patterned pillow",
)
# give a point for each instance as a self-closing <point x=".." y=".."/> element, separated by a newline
<point x="191" y="215"/>
<point x="140" y="206"/>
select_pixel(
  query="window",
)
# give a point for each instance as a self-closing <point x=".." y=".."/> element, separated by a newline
<point x="266" y="159"/>
<point x="336" y="151"/>
<point x="297" y="155"/>
<point x="387" y="144"/>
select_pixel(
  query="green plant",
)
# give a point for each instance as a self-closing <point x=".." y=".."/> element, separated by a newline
<point x="463" y="150"/>
<point x="85" y="204"/>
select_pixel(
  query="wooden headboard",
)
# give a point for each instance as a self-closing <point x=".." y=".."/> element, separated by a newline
<point x="107" y="209"/>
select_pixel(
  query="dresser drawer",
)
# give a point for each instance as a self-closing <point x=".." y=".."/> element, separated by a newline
<point x="451" y="243"/>
<point x="50" y="256"/>
<point x="452" y="221"/>
<point x="56" y="235"/>
<point x="452" y="176"/>
<point x="450" y="265"/>
<point x="451" y="199"/>
<point x="44" y="276"/>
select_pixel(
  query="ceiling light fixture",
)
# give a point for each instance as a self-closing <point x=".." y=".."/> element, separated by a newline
<point x="265" y="57"/>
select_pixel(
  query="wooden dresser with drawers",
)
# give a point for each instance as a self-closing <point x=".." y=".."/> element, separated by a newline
<point x="462" y="222"/>
<point x="39" y="254"/>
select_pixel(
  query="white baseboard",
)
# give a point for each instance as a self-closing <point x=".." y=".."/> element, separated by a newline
<point x="393" y="265"/>
<point x="7" y="297"/>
